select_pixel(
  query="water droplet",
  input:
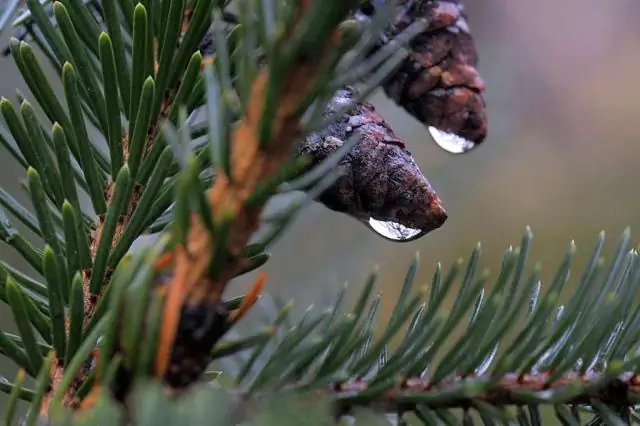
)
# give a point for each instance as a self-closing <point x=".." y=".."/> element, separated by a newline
<point x="450" y="142"/>
<point x="394" y="231"/>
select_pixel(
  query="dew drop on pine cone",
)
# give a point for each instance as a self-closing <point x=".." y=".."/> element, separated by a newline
<point x="394" y="231"/>
<point x="451" y="142"/>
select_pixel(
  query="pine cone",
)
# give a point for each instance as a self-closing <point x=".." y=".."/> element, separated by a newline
<point x="438" y="83"/>
<point x="381" y="184"/>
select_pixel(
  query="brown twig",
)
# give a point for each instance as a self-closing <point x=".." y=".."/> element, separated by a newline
<point x="622" y="390"/>
<point x="251" y="165"/>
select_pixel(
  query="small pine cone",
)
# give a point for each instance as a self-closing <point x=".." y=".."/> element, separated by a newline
<point x="381" y="180"/>
<point x="438" y="83"/>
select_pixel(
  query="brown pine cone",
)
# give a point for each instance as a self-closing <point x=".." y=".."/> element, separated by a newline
<point x="438" y="83"/>
<point x="381" y="184"/>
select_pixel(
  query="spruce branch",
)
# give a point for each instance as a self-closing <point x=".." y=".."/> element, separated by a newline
<point x="260" y="145"/>
<point x="116" y="188"/>
<point x="159" y="312"/>
<point x="114" y="200"/>
<point x="339" y="357"/>
<point x="576" y="359"/>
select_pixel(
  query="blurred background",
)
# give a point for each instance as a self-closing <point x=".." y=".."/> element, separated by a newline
<point x="562" y="157"/>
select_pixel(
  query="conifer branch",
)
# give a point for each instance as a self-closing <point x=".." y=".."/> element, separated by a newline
<point x="614" y="389"/>
<point x="109" y="231"/>
<point x="256" y="155"/>
<point x="160" y="312"/>
<point x="561" y="355"/>
<point x="270" y="141"/>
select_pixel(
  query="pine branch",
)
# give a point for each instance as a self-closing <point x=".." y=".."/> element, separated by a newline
<point x="561" y="355"/>
<point x="584" y="353"/>
<point x="272" y="81"/>
<point x="116" y="203"/>
<point x="121" y="195"/>
<point x="258" y="150"/>
<point x="119" y="215"/>
<point x="617" y="390"/>
<point x="341" y="359"/>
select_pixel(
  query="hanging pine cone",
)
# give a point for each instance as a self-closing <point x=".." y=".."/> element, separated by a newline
<point x="381" y="184"/>
<point x="438" y="83"/>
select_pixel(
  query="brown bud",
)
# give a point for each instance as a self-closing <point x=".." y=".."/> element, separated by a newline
<point x="200" y="327"/>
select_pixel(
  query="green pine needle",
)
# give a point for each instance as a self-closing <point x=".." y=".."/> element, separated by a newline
<point x="112" y="106"/>
<point x="122" y="189"/>
<point x="21" y="317"/>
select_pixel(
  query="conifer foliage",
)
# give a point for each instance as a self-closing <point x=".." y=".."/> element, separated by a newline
<point x="118" y="336"/>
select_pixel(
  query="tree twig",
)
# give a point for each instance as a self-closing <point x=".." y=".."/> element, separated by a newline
<point x="252" y="163"/>
<point x="621" y="390"/>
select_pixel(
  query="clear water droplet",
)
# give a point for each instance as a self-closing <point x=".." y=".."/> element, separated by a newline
<point x="394" y="231"/>
<point x="450" y="142"/>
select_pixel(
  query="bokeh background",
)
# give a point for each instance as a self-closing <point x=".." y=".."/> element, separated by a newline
<point x="562" y="157"/>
